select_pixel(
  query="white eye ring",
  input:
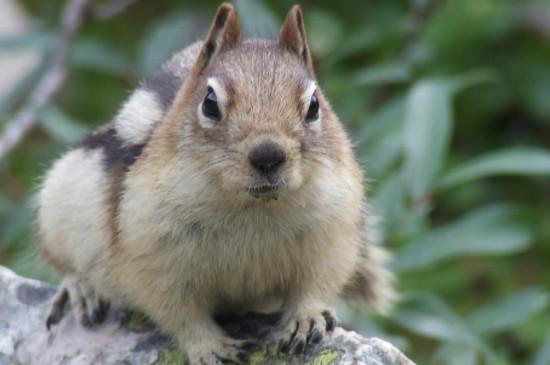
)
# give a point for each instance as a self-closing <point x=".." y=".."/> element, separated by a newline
<point x="221" y="97"/>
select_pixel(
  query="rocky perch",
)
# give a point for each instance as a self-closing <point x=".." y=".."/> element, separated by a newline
<point x="25" y="340"/>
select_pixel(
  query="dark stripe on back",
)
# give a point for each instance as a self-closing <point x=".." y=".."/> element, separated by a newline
<point x="165" y="85"/>
<point x="117" y="159"/>
<point x="117" y="154"/>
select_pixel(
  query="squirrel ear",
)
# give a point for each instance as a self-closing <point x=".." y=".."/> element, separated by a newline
<point x="292" y="36"/>
<point x="225" y="33"/>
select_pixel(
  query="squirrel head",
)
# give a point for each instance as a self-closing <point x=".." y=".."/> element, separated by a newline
<point x="253" y="112"/>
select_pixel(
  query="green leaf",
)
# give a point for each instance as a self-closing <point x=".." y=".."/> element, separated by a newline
<point x="388" y="201"/>
<point x="428" y="123"/>
<point x="428" y="127"/>
<point x="456" y="354"/>
<point x="509" y="312"/>
<point x="384" y="73"/>
<point x="17" y="227"/>
<point x="379" y="139"/>
<point x="21" y="89"/>
<point x="491" y="230"/>
<point x="38" y="39"/>
<point x="97" y="55"/>
<point x="327" y="29"/>
<point x="368" y="38"/>
<point x="387" y="119"/>
<point x="166" y="37"/>
<point x="381" y="155"/>
<point x="60" y="126"/>
<point x="428" y="316"/>
<point x="516" y="161"/>
<point x="257" y="19"/>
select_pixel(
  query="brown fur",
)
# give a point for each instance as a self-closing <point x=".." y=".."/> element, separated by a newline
<point x="194" y="238"/>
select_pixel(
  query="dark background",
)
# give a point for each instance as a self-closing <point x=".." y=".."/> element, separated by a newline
<point x="448" y="103"/>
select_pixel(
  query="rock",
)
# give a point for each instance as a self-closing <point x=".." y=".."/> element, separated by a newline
<point x="24" y="338"/>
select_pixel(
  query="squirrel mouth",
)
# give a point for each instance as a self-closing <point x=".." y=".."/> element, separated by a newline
<point x="266" y="191"/>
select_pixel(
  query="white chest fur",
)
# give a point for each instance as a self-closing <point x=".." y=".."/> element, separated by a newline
<point x="191" y="239"/>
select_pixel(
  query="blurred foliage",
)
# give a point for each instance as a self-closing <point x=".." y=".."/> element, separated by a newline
<point x="449" y="105"/>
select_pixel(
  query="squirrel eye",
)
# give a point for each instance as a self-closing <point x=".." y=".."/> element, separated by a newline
<point x="313" y="111"/>
<point x="210" y="107"/>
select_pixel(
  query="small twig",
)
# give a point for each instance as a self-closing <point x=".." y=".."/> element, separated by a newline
<point x="416" y="24"/>
<point x="50" y="83"/>
<point x="111" y="9"/>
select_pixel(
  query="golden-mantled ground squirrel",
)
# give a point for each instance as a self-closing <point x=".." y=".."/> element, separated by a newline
<point x="225" y="183"/>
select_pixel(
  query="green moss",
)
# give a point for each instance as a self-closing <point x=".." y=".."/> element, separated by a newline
<point x="268" y="354"/>
<point x="272" y="357"/>
<point x="171" y="356"/>
<point x="326" y="357"/>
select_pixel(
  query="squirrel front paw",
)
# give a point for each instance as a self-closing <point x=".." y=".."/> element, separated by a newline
<point x="88" y="308"/>
<point x="305" y="331"/>
<point x="225" y="351"/>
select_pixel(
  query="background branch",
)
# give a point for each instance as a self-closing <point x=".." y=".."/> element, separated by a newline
<point x="26" y="118"/>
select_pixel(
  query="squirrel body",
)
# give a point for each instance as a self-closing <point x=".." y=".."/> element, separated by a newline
<point x="218" y="188"/>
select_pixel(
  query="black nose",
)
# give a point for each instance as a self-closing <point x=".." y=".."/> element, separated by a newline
<point x="267" y="158"/>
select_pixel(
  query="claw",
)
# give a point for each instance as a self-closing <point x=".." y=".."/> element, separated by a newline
<point x="87" y="307"/>
<point x="100" y="312"/>
<point x="286" y="344"/>
<point x="58" y="308"/>
<point x="306" y="332"/>
<point x="298" y="347"/>
<point x="315" y="337"/>
<point x="330" y="320"/>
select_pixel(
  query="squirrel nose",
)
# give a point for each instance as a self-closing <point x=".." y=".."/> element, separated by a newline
<point x="267" y="158"/>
